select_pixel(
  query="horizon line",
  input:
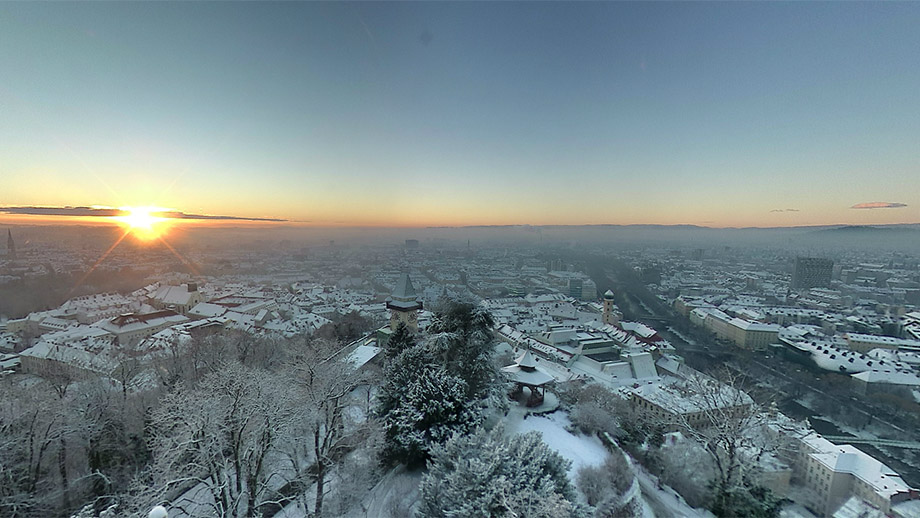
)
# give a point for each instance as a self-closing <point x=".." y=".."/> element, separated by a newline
<point x="225" y="222"/>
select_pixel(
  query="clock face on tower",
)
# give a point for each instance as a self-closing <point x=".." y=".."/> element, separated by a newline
<point x="412" y="317"/>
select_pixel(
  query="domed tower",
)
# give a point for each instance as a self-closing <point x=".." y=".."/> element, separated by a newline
<point x="611" y="317"/>
<point x="404" y="304"/>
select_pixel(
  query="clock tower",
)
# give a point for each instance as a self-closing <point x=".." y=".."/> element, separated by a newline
<point x="404" y="305"/>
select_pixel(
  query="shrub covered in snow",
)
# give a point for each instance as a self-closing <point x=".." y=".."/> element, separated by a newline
<point x="488" y="475"/>
<point x="594" y="409"/>
<point x="607" y="487"/>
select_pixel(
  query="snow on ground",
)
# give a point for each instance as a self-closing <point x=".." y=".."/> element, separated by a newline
<point x="677" y="333"/>
<point x="664" y="502"/>
<point x="795" y="511"/>
<point x="582" y="450"/>
<point x="196" y="502"/>
<point x="585" y="450"/>
<point x="807" y="401"/>
<point x="293" y="510"/>
<point x="395" y="496"/>
<point x="869" y="432"/>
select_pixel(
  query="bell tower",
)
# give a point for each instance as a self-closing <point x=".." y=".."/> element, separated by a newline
<point x="404" y="305"/>
<point x="610" y="316"/>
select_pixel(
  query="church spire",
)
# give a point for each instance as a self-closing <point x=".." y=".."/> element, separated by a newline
<point x="10" y="245"/>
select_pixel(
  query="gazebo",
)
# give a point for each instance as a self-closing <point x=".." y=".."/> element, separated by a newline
<point x="524" y="373"/>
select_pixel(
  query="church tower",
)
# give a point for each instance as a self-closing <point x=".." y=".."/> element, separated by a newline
<point x="404" y="305"/>
<point x="611" y="316"/>
<point x="10" y="245"/>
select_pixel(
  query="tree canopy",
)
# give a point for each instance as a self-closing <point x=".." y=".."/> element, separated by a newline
<point x="435" y="388"/>
<point x="485" y="474"/>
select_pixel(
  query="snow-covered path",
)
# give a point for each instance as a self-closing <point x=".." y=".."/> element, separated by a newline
<point x="665" y="503"/>
<point x="396" y="495"/>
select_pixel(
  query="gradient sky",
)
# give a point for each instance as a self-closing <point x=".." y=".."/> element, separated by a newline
<point x="473" y="113"/>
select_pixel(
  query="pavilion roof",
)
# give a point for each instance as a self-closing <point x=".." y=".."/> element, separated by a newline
<point x="535" y="378"/>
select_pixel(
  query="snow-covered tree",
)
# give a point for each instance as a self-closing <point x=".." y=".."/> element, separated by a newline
<point x="46" y="428"/>
<point x="595" y="409"/>
<point x="399" y="375"/>
<point x="606" y="487"/>
<point x="728" y="429"/>
<point x="485" y="474"/>
<point x="437" y="387"/>
<point x="432" y="408"/>
<point x="205" y="353"/>
<point x="223" y="434"/>
<point x="688" y="468"/>
<point x="399" y="341"/>
<point x="327" y="381"/>
<point x="29" y="426"/>
<point x="461" y="337"/>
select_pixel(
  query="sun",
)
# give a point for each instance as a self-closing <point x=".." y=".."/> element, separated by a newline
<point x="144" y="223"/>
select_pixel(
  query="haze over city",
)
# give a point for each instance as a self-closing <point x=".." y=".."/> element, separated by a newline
<point x="459" y="259"/>
<point x="447" y="114"/>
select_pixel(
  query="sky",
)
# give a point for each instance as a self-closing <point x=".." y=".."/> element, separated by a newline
<point x="444" y="114"/>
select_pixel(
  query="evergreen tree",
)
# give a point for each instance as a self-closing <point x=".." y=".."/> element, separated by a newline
<point x="487" y="475"/>
<point x="400" y="374"/>
<point x="401" y="340"/>
<point x="436" y="388"/>
<point x="462" y="338"/>
<point x="749" y="500"/>
<point x="432" y="408"/>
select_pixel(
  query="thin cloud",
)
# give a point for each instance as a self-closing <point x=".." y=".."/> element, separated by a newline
<point x="785" y="210"/>
<point x="64" y="211"/>
<point x="106" y="212"/>
<point x="879" y="205"/>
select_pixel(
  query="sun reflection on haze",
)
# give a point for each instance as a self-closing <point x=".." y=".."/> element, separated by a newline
<point x="144" y="223"/>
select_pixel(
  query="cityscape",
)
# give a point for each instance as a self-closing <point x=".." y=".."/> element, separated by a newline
<point x="304" y="260"/>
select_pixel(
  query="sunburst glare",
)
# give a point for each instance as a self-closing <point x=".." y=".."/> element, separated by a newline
<point x="145" y="223"/>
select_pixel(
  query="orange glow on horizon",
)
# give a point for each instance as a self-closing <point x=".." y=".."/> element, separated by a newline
<point x="144" y="223"/>
<point x="148" y="223"/>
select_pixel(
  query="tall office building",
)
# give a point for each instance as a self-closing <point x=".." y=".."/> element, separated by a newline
<point x="812" y="272"/>
<point x="575" y="288"/>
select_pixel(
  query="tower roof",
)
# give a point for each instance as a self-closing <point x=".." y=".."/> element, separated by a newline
<point x="404" y="291"/>
<point x="608" y="294"/>
<point x="404" y="297"/>
<point x="526" y="361"/>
